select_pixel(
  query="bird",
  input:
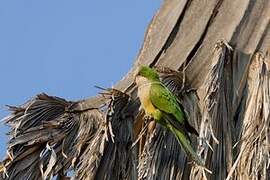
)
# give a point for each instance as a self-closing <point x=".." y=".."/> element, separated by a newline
<point x="165" y="108"/>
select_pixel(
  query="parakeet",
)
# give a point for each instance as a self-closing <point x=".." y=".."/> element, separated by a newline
<point x="164" y="107"/>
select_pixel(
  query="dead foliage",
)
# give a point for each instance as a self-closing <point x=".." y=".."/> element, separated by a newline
<point x="50" y="136"/>
<point x="253" y="147"/>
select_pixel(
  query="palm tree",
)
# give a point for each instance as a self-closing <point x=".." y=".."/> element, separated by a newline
<point x="213" y="54"/>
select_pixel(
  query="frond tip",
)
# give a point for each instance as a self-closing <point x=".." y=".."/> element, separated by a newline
<point x="46" y="138"/>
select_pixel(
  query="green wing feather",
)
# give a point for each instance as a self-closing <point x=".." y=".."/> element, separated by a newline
<point x="165" y="101"/>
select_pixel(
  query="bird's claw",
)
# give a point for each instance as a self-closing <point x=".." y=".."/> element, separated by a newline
<point x="147" y="117"/>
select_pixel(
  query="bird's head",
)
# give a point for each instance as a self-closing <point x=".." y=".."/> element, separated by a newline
<point x="147" y="73"/>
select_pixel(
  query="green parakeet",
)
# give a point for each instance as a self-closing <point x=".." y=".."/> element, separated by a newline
<point x="159" y="103"/>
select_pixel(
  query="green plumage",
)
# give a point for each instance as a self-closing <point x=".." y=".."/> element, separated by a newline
<point x="167" y="111"/>
<point x="165" y="101"/>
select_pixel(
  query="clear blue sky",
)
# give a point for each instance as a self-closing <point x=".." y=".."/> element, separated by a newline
<point x="65" y="47"/>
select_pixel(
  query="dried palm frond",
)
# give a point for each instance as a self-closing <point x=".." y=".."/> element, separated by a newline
<point x="174" y="80"/>
<point x="253" y="157"/>
<point x="162" y="157"/>
<point x="46" y="137"/>
<point x="215" y="129"/>
<point x="50" y="136"/>
<point x="109" y="155"/>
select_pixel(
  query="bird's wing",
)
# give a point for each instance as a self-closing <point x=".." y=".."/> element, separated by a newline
<point x="165" y="101"/>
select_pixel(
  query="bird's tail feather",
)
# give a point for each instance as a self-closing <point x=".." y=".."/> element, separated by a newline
<point x="186" y="145"/>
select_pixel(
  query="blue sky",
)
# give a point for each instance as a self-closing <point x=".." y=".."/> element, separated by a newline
<point x="65" y="47"/>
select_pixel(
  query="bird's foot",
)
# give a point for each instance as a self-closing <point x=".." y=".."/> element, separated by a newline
<point x="148" y="118"/>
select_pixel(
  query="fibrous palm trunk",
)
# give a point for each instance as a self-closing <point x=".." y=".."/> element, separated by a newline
<point x="216" y="54"/>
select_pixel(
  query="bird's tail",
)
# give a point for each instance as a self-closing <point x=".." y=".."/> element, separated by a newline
<point x="184" y="141"/>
